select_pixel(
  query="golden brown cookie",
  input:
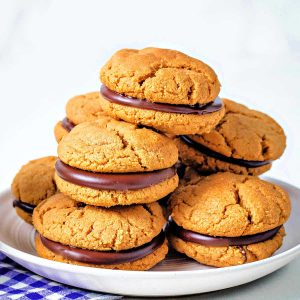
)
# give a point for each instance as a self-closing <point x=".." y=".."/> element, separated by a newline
<point x="109" y="162"/>
<point x="124" y="237"/>
<point x="244" y="142"/>
<point x="224" y="215"/>
<point x="79" y="109"/>
<point x="161" y="88"/>
<point x="32" y="184"/>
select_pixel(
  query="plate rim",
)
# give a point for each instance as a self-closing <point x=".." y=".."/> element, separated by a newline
<point x="7" y="250"/>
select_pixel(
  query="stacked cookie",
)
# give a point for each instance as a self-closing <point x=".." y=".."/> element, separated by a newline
<point x="118" y="159"/>
<point x="162" y="89"/>
<point x="227" y="219"/>
<point x="110" y="174"/>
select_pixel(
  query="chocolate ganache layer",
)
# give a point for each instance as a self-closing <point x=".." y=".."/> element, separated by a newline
<point x="112" y="181"/>
<point x="206" y="240"/>
<point x="204" y="109"/>
<point x="28" y="208"/>
<point x="216" y="155"/>
<point x="67" y="124"/>
<point x="104" y="257"/>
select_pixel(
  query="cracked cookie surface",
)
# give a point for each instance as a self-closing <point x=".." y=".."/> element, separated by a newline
<point x="160" y="75"/>
<point x="66" y="221"/>
<point x="111" y="146"/>
<point x="245" y="134"/>
<point x="241" y="134"/>
<point x="35" y="181"/>
<point x="231" y="255"/>
<point x="79" y="109"/>
<point x="230" y="205"/>
<point x="84" y="108"/>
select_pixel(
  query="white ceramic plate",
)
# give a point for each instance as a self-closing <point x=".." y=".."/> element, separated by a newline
<point x="175" y="276"/>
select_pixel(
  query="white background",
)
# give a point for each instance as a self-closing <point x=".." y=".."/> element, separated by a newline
<point x="53" y="50"/>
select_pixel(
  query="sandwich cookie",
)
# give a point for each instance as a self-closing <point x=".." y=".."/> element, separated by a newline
<point x="163" y="89"/>
<point x="244" y="142"/>
<point x="109" y="162"/>
<point x="126" y="238"/>
<point x="32" y="184"/>
<point x="227" y="219"/>
<point x="79" y="109"/>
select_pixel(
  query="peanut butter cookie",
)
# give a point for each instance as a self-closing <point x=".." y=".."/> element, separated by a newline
<point x="228" y="219"/>
<point x="109" y="162"/>
<point x="128" y="237"/>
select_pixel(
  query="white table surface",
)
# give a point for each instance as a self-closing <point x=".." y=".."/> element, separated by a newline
<point x="53" y="50"/>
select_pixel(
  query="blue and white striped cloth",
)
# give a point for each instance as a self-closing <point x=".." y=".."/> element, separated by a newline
<point x="19" y="283"/>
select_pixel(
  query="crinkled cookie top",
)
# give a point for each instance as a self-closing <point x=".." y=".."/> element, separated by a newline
<point x="160" y="75"/>
<point x="246" y="134"/>
<point x="112" y="146"/>
<point x="84" y="108"/>
<point x="66" y="221"/>
<point x="35" y="180"/>
<point x="230" y="205"/>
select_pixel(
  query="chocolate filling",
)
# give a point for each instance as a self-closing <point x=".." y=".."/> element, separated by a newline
<point x="28" y="208"/>
<point x="206" y="240"/>
<point x="112" y="181"/>
<point x="67" y="124"/>
<point x="104" y="257"/>
<point x="197" y="109"/>
<point x="216" y="155"/>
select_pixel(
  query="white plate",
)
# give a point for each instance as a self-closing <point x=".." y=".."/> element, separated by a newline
<point x="175" y="276"/>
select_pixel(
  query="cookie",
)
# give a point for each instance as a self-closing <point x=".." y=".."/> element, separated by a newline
<point x="244" y="142"/>
<point x="32" y="184"/>
<point x="228" y="219"/>
<point x="129" y="237"/>
<point x="163" y="89"/>
<point x="109" y="162"/>
<point x="79" y="109"/>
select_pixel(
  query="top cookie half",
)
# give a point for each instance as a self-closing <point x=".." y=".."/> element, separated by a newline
<point x="160" y="75"/>
<point x="110" y="146"/>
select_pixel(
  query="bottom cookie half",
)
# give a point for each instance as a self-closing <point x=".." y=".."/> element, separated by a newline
<point x="24" y="215"/>
<point x="173" y="123"/>
<point x="231" y="255"/>
<point x="109" y="198"/>
<point x="142" y="264"/>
